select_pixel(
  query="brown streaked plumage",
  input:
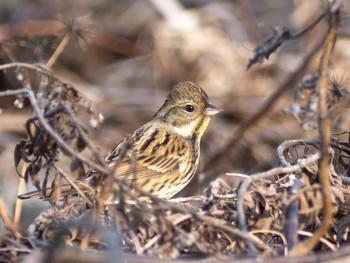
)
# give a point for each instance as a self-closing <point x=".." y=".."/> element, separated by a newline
<point x="164" y="153"/>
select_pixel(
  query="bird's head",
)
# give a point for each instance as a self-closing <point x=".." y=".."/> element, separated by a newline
<point x="187" y="109"/>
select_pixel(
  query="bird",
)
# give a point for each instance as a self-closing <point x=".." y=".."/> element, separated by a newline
<point x="162" y="156"/>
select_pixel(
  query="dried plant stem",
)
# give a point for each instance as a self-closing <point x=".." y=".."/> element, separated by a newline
<point x="222" y="224"/>
<point x="296" y="196"/>
<point x="12" y="249"/>
<point x="50" y="131"/>
<point x="314" y="23"/>
<point x="325" y="126"/>
<point x="284" y="87"/>
<point x="213" y="221"/>
<point x="343" y="105"/>
<point x="274" y="232"/>
<point x="19" y="202"/>
<point x="292" y="143"/>
<point x="58" y="50"/>
<point x="36" y="67"/>
<point x="241" y="213"/>
<point x="313" y="142"/>
<point x="82" y="135"/>
<point x="149" y="244"/>
<point x="68" y="110"/>
<point x="138" y="246"/>
<point x="292" y="216"/>
<point x="260" y="176"/>
<point x="283" y="170"/>
<point x="6" y="219"/>
<point x="323" y="240"/>
<point x="71" y="182"/>
<point x="85" y="241"/>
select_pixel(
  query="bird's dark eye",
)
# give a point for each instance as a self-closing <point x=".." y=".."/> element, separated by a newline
<point x="189" y="108"/>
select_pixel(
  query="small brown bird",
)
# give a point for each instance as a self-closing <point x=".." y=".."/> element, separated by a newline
<point x="163" y="154"/>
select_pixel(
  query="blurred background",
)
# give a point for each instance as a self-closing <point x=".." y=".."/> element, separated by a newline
<point x="127" y="54"/>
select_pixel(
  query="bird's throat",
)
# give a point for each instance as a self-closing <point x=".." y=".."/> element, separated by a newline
<point x="195" y="128"/>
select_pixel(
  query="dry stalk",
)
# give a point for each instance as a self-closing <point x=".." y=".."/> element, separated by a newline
<point x="274" y="232"/>
<point x="323" y="240"/>
<point x="325" y="124"/>
<point x="284" y="170"/>
<point x="47" y="127"/>
<point x="292" y="216"/>
<point x="6" y="219"/>
<point x="260" y="176"/>
<point x="73" y="184"/>
<point x="18" y="203"/>
<point x="82" y="135"/>
<point x="283" y="88"/>
<point x="58" y="51"/>
<point x="215" y="222"/>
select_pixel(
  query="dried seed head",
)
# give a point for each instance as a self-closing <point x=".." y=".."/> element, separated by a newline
<point x="96" y="121"/>
<point x="20" y="76"/>
<point x="77" y="29"/>
<point x="19" y="102"/>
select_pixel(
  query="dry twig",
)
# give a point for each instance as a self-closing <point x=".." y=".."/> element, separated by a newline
<point x="325" y="127"/>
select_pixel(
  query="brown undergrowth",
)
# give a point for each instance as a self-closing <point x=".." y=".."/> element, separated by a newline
<point x="297" y="208"/>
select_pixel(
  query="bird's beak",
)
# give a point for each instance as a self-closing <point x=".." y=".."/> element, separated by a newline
<point x="211" y="110"/>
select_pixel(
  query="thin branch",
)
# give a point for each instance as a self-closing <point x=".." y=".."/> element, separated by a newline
<point x="222" y="224"/>
<point x="292" y="216"/>
<point x="325" y="126"/>
<point x="19" y="202"/>
<point x="6" y="219"/>
<point x="281" y="35"/>
<point x="274" y="232"/>
<point x="58" y="50"/>
<point x="302" y="163"/>
<point x="323" y="240"/>
<point x="82" y="135"/>
<point x="35" y="67"/>
<point x="241" y="218"/>
<point x="72" y="183"/>
<point x="299" y="34"/>
<point x="312" y="142"/>
<point x="293" y="143"/>
<point x="213" y="221"/>
<point x="284" y="87"/>
<point x="50" y="131"/>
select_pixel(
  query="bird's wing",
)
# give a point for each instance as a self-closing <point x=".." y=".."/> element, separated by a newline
<point x="148" y="152"/>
